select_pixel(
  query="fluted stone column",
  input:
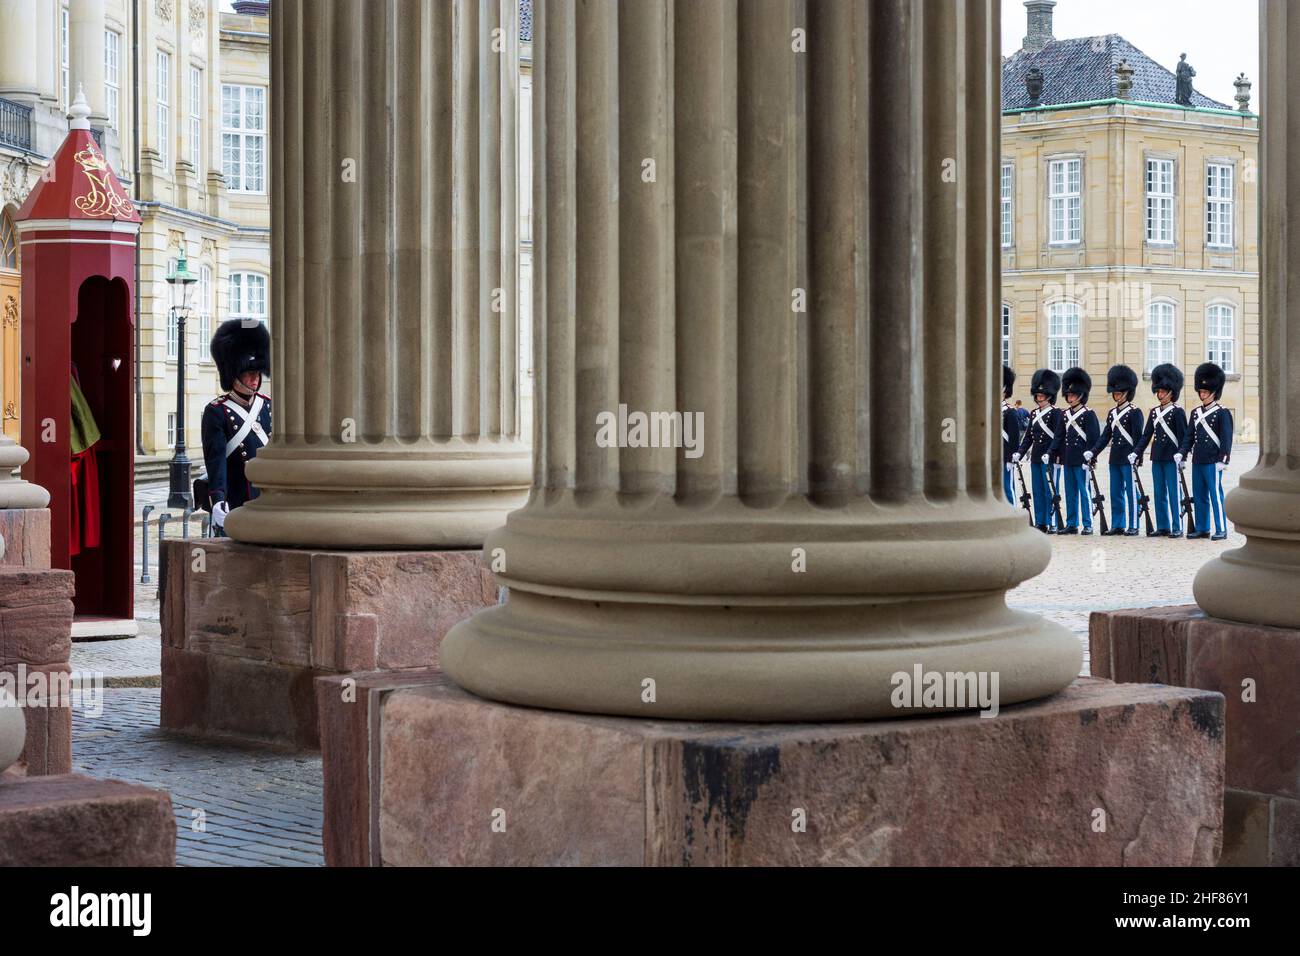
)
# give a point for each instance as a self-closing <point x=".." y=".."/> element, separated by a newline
<point x="394" y="305"/>
<point x="798" y="246"/>
<point x="86" y="22"/>
<point x="1257" y="583"/>
<point x="18" y="44"/>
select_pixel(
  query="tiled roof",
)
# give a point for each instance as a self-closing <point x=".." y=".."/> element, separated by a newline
<point x="1083" y="69"/>
<point x="526" y="20"/>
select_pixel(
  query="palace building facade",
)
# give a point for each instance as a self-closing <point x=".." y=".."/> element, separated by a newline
<point x="1129" y="220"/>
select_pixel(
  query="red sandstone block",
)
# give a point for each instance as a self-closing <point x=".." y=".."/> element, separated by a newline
<point x="35" y="616"/>
<point x="70" y="820"/>
<point x="346" y="702"/>
<point x="1284" y="839"/>
<point x="1149" y="645"/>
<point x="27" y="537"/>
<point x="48" y="749"/>
<point x="1023" y="788"/>
<point x="1245" y="828"/>
<point x="185" y="687"/>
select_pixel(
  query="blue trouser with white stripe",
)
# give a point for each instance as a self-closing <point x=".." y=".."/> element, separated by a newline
<point x="1043" y="512"/>
<point x="1076" y="496"/>
<point x="1006" y="483"/>
<point x="1123" y="496"/>
<point x="1164" y="475"/>
<point x="1207" y="498"/>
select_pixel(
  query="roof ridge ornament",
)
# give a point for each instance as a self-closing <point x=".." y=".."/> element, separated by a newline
<point x="79" y="112"/>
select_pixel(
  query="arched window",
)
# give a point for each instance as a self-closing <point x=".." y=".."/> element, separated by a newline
<point x="1220" y="334"/>
<point x="1161" y="333"/>
<point x="8" y="244"/>
<point x="1064" y="322"/>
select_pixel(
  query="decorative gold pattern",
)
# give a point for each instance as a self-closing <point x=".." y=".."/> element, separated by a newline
<point x="11" y="311"/>
<point x="104" y="197"/>
<point x="11" y="411"/>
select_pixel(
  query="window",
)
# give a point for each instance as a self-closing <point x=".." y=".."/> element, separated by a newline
<point x="164" y="101"/>
<point x="243" y="138"/>
<point x="65" y="73"/>
<point x="8" y="243"/>
<point x="196" y="117"/>
<point x="1063" y="323"/>
<point x="171" y="428"/>
<point x="1218" y="205"/>
<point x="1219" y="326"/>
<point x="247" y="296"/>
<point x="1008" y="232"/>
<point x="1006" y="334"/>
<point x="1064" y="178"/>
<point x="112" y="96"/>
<point x="204" y="307"/>
<point x="1160" y="201"/>
<point x="173" y="326"/>
<point x="1160" y="334"/>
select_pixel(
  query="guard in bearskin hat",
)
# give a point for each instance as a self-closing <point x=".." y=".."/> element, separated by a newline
<point x="1010" y="432"/>
<point x="238" y="423"/>
<point x="1166" y="428"/>
<point x="1209" y="444"/>
<point x="1080" y="431"/>
<point x="1121" y="435"/>
<point x="1044" y="437"/>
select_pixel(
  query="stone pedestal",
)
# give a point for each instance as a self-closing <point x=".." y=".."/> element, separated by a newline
<point x="26" y="534"/>
<point x="70" y="820"/>
<point x="35" y="645"/>
<point x="1255" y="669"/>
<point x="245" y="629"/>
<point x="441" y="767"/>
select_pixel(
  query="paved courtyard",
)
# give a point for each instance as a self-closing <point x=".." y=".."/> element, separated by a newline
<point x="248" y="806"/>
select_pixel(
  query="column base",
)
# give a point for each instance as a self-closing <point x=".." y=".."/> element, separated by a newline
<point x="246" y="629"/>
<point x="35" y="645"/>
<point x="26" y="534"/>
<point x="463" y="781"/>
<point x="1254" y="668"/>
<point x="70" y="820"/>
<point x="816" y="661"/>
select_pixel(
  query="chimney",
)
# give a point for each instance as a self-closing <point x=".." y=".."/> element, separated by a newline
<point x="1039" y="23"/>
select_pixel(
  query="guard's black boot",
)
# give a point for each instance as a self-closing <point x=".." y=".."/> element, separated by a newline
<point x="1219" y="537"/>
<point x="1194" y="535"/>
<point x="1086" y="531"/>
<point x="1132" y="532"/>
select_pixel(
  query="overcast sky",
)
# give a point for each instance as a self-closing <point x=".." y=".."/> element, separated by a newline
<point x="1220" y="37"/>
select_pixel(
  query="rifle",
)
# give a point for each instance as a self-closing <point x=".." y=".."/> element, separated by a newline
<point x="1024" y="495"/>
<point x="1056" y="498"/>
<point x="1098" y="499"/>
<point x="1185" y="506"/>
<point x="1144" y="501"/>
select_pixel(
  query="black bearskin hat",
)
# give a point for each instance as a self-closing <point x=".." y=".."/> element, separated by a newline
<point x="1167" y="377"/>
<point x="1077" y="381"/>
<point x="1008" y="380"/>
<point x="1210" y="377"/>
<point x="1047" y="382"/>
<point x="238" y="347"/>
<point x="1121" y="378"/>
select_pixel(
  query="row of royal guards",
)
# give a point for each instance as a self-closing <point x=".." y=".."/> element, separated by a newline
<point x="1063" y="443"/>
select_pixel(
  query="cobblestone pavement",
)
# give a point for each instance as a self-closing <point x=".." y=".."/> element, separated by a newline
<point x="233" y="805"/>
<point x="264" y="808"/>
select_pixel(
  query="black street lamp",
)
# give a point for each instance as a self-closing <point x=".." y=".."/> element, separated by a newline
<point x="180" y="494"/>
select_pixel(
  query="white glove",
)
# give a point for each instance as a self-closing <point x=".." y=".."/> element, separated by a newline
<point x="1178" y="460"/>
<point x="1015" y="457"/>
<point x="1132" y="458"/>
<point x="1087" y="456"/>
<point x="219" y="512"/>
<point x="1046" y="459"/>
<point x="1220" y="465"/>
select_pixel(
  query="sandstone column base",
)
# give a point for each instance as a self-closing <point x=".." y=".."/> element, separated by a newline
<point x="454" y="779"/>
<point x="1183" y="647"/>
<point x="35" y="646"/>
<point x="70" y="820"/>
<point x="26" y="533"/>
<point x="246" y="629"/>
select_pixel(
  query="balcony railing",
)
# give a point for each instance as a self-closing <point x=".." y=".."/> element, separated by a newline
<point x="15" y="124"/>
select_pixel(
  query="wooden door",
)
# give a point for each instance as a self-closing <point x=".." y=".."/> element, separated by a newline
<point x="10" y="332"/>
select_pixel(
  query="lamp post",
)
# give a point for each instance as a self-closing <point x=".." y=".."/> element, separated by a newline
<point x="180" y="494"/>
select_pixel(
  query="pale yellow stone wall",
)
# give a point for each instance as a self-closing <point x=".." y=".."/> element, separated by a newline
<point x="1113" y="272"/>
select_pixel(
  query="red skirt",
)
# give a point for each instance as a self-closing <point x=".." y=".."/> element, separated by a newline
<point x="84" y="517"/>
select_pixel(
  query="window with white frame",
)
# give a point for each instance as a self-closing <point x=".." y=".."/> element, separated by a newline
<point x="243" y="138"/>
<point x="1220" y="329"/>
<point x="1006" y="334"/>
<point x="65" y="72"/>
<point x="1218" y="205"/>
<point x="247" y="299"/>
<point x="1065" y="206"/>
<point x="1008" y="183"/>
<point x="1161" y="335"/>
<point x="196" y="117"/>
<point x="171" y="428"/>
<point x="1160" y="201"/>
<point x="163" y="96"/>
<point x="173" y="323"/>
<point x="204" y="306"/>
<point x="1064" y="320"/>
<point x="112" y="77"/>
